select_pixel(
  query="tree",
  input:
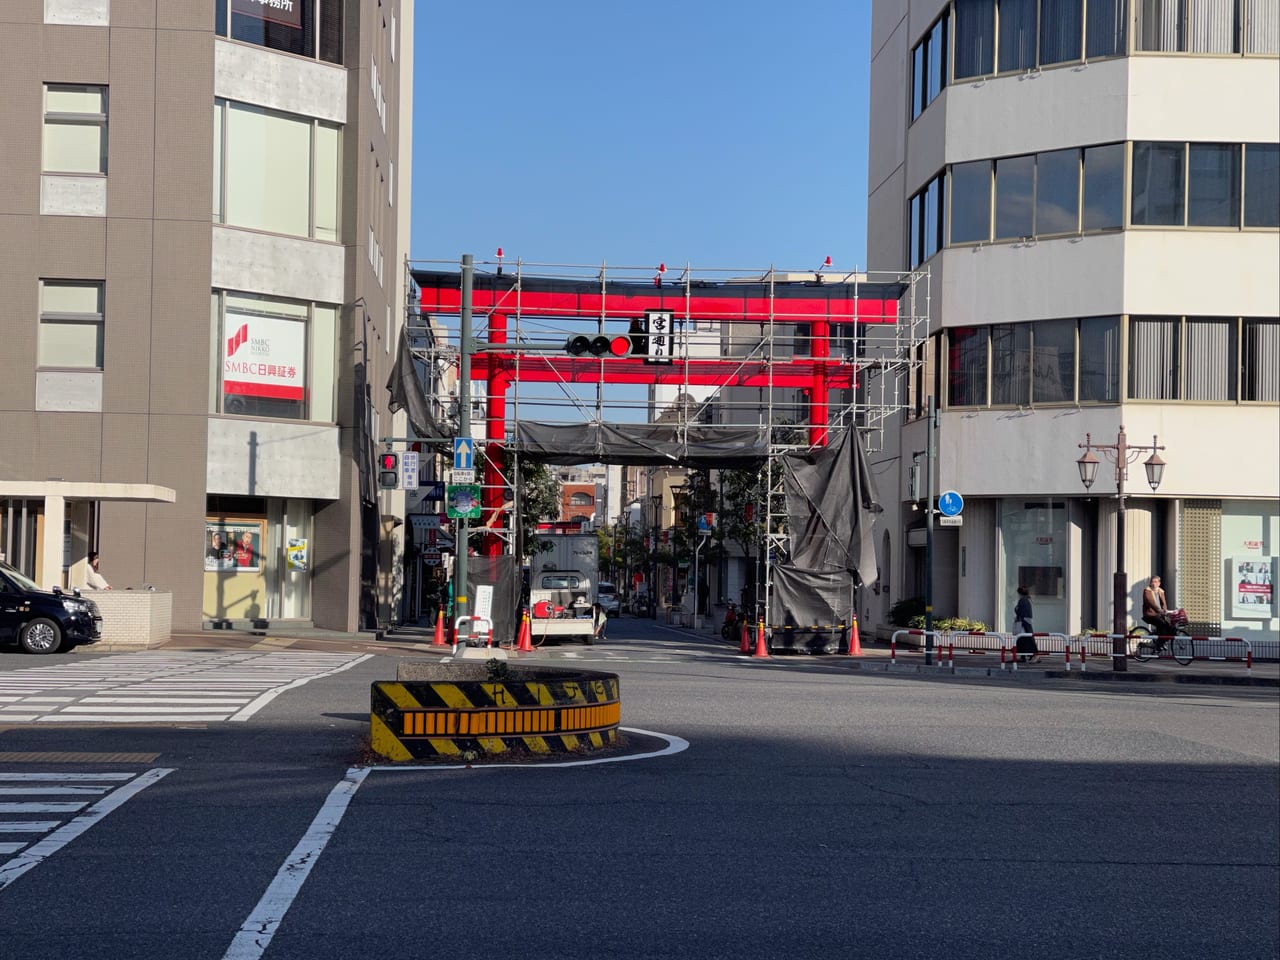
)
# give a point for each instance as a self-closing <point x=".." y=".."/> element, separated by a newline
<point x="539" y="497"/>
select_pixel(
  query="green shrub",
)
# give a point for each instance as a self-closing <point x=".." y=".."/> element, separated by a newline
<point x="902" y="612"/>
<point x="949" y="624"/>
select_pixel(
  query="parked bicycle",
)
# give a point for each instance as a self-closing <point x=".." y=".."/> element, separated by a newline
<point x="1153" y="646"/>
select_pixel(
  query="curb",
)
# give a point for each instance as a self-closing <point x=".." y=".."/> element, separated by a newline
<point x="1209" y="679"/>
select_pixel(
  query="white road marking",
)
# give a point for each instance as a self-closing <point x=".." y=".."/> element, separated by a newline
<point x="37" y="853"/>
<point x="63" y="791"/>
<point x="15" y="806"/>
<point x="46" y="777"/>
<point x="153" y="687"/>
<point x="11" y="847"/>
<point x="256" y="932"/>
<point x="27" y="826"/>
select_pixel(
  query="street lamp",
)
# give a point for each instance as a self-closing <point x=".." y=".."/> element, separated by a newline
<point x="1121" y="453"/>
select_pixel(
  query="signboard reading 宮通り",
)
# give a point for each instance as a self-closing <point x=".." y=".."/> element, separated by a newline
<point x="264" y="357"/>
<point x="286" y="12"/>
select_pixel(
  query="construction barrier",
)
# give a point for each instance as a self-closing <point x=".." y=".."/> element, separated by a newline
<point x="472" y="632"/>
<point x="921" y="637"/>
<point x="466" y="711"/>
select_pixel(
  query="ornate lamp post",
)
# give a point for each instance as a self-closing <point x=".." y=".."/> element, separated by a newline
<point x="1121" y="453"/>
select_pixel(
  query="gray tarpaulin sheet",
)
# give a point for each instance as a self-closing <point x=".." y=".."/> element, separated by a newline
<point x="407" y="394"/>
<point x="831" y="508"/>
<point x="503" y="574"/>
<point x="643" y="444"/>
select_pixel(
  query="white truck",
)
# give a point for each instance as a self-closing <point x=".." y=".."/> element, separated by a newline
<point x="562" y="589"/>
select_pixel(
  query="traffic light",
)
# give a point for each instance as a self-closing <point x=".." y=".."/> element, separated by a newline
<point x="601" y="345"/>
<point x="388" y="470"/>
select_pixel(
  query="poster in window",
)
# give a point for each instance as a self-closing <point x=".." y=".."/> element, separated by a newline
<point x="1252" y="587"/>
<point x="264" y="356"/>
<point x="296" y="554"/>
<point x="285" y="12"/>
<point x="233" y="546"/>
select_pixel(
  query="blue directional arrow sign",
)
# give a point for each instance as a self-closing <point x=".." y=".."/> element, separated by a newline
<point x="464" y="449"/>
<point x="950" y="504"/>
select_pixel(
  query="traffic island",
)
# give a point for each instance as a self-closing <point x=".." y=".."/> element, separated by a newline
<point x="492" y="711"/>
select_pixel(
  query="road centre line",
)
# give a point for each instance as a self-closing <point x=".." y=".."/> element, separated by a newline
<point x="255" y="934"/>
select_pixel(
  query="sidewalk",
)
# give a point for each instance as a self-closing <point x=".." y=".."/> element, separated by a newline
<point x="877" y="657"/>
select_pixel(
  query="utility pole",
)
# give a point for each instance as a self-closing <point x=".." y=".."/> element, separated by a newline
<point x="465" y="349"/>
<point x="928" y="535"/>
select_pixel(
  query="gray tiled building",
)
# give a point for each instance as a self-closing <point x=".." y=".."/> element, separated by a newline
<point x="203" y="213"/>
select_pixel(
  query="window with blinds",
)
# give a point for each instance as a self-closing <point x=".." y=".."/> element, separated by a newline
<point x="1153" y="359"/>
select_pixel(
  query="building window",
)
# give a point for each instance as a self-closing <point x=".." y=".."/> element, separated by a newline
<point x="581" y="499"/>
<point x="1053" y="361"/>
<point x="1047" y="361"/>
<point x="1159" y="184"/>
<point x="967" y="366"/>
<point x="1262" y="184"/>
<point x="971" y="202"/>
<point x="1213" y="185"/>
<point x="929" y="67"/>
<point x="1015" y="192"/>
<point x="1209" y="361"/>
<point x="274" y="358"/>
<point x="1099" y="360"/>
<point x="928" y="220"/>
<point x="975" y="38"/>
<point x="308" y="28"/>
<point x="1153" y="359"/>
<point x="1102" y="207"/>
<point x="71" y="322"/>
<point x="1262" y="27"/>
<point x="75" y="129"/>
<point x="1105" y="28"/>
<point x="1057" y="192"/>
<point x="1017" y="35"/>
<point x="275" y="172"/>
<point x="1260" y="366"/>
<point x="1188" y="26"/>
<point x="1011" y="364"/>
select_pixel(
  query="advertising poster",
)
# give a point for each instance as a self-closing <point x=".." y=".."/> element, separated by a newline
<point x="285" y="12"/>
<point x="296" y="554"/>
<point x="233" y="546"/>
<point x="1252" y="588"/>
<point x="264" y="357"/>
<point x="463" y="501"/>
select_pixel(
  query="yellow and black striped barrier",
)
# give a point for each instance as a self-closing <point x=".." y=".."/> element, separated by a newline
<point x="458" y="712"/>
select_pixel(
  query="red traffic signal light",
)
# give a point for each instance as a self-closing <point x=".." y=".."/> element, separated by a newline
<point x="388" y="470"/>
<point x="601" y="345"/>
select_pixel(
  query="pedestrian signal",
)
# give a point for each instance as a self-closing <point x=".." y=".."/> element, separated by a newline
<point x="581" y="345"/>
<point x="388" y="470"/>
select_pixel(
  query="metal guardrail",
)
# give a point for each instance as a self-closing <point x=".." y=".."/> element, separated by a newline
<point x="1078" y="649"/>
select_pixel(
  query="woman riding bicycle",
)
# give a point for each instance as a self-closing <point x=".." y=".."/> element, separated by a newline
<point x="1155" y="610"/>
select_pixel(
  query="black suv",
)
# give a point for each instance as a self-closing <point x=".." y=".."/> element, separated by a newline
<point x="44" y="621"/>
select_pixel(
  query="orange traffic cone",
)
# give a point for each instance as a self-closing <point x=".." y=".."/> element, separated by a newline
<point x="855" y="645"/>
<point x="524" y="639"/>
<point x="762" y="649"/>
<point x="745" y="645"/>
<point x="438" y="640"/>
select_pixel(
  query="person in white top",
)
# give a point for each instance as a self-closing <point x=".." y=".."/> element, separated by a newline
<point x="93" y="579"/>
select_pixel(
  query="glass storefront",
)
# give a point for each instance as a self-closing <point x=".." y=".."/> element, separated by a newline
<point x="257" y="558"/>
<point x="1033" y="539"/>
<point x="1250" y="562"/>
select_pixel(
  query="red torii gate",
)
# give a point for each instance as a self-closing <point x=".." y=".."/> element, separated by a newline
<point x="820" y="303"/>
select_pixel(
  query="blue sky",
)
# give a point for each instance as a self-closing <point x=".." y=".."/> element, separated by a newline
<point x="572" y="132"/>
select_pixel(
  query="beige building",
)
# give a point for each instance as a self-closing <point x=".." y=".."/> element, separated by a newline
<point x="1093" y="188"/>
<point x="203" y="213"/>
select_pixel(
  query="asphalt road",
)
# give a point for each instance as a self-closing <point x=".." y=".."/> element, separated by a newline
<point x="816" y="812"/>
